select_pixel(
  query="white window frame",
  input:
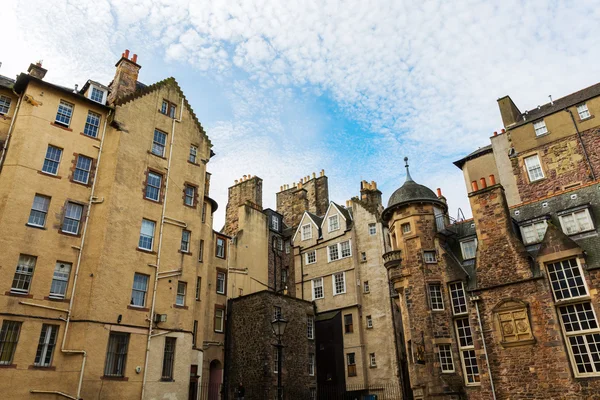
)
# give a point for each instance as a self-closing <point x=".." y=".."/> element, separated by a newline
<point x="333" y="223"/>
<point x="446" y="348"/>
<point x="23" y="274"/>
<point x="180" y="297"/>
<point x="366" y="287"/>
<point x="307" y="258"/>
<point x="462" y="248"/>
<point x="39" y="210"/>
<point x="540" y="128"/>
<point x="158" y="149"/>
<point x="275" y="222"/>
<point x="84" y="171"/>
<point x="193" y="154"/>
<point x="586" y="214"/>
<point x="339" y="251"/>
<point x="219" y="328"/>
<point x="334" y="281"/>
<point x="224" y="280"/>
<point x="369" y="322"/>
<point x="146" y="235"/>
<point x="143" y="290"/>
<point x="72" y="218"/>
<point x="92" y="124"/>
<point x="467" y="349"/>
<point x="52" y="161"/>
<point x="220" y="253"/>
<point x="583" y="111"/>
<point x="287" y="247"/>
<point x="306" y="231"/>
<point x="457" y="291"/>
<point x="537" y="228"/>
<point x="102" y="99"/>
<point x="372" y="360"/>
<point x="310" y="327"/>
<point x="185" y="244"/>
<point x="47" y="342"/>
<point x="311" y="364"/>
<point x="405" y="228"/>
<point x="372" y="228"/>
<point x="584" y="285"/>
<point x="60" y="276"/>
<point x="150" y="185"/>
<point x="436" y="296"/>
<point x="427" y="254"/>
<point x="65" y="111"/>
<point x="531" y="166"/>
<point x="5" y="103"/>
<point x="316" y="284"/>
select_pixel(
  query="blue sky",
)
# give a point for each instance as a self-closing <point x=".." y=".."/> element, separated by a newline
<point x="285" y="89"/>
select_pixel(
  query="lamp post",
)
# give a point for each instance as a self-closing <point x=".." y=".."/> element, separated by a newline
<point x="278" y="325"/>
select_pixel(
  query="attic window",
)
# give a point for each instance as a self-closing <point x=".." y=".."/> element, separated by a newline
<point x="97" y="95"/>
<point x="4" y="104"/>
<point x="533" y="232"/>
<point x="306" y="232"/>
<point x="583" y="111"/>
<point x="168" y="108"/>
<point x="334" y="223"/>
<point x="576" y="221"/>
<point x="540" y="128"/>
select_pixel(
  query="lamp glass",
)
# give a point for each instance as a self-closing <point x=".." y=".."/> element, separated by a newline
<point x="278" y="326"/>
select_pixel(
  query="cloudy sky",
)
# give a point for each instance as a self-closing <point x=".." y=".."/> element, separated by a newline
<point x="287" y="88"/>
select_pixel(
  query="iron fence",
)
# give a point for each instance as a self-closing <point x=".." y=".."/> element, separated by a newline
<point x="322" y="392"/>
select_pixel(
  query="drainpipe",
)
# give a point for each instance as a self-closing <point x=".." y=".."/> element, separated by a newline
<point x="301" y="271"/>
<point x="77" y="268"/>
<point x="10" y="129"/>
<point x="158" y="252"/>
<point x="582" y="145"/>
<point x="487" y="361"/>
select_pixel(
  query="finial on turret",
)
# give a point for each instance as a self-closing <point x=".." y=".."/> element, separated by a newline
<point x="408" y="177"/>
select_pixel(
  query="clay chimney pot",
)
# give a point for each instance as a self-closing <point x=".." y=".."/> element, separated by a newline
<point x="439" y="192"/>
<point x="474" y="186"/>
<point x="126" y="54"/>
<point x="482" y="182"/>
<point x="134" y="59"/>
<point x="492" y="180"/>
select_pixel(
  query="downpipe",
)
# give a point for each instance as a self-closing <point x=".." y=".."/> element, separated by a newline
<point x="487" y="361"/>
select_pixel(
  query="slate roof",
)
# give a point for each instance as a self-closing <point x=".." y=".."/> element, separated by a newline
<point x="559" y="104"/>
<point x="317" y="220"/>
<point x="479" y="152"/>
<point x="411" y="191"/>
<point x="6" y="82"/>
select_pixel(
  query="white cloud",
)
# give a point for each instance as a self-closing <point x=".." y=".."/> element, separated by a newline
<point x="422" y="77"/>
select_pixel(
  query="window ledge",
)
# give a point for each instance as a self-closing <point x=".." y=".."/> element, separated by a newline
<point x="194" y="206"/>
<point x="372" y="366"/>
<point x="87" y="185"/>
<point x="23" y="295"/>
<point x="193" y="163"/>
<point x="542" y="135"/>
<point x="49" y="175"/>
<point x="8" y="366"/>
<point x="145" y="250"/>
<point x="167" y="380"/>
<point x="156" y="155"/>
<point x="185" y="253"/>
<point x="41" y="368"/>
<point x="138" y="308"/>
<point x="74" y="235"/>
<point x="66" y="128"/>
<point x="538" y="180"/>
<point x="36" y="227"/>
<point x="4" y="116"/>
<point x="56" y="299"/>
<point x="518" y="343"/>
<point x="586" y="119"/>
<point x="89" y="137"/>
<point x="153" y="201"/>
<point x="219" y="332"/>
<point x="114" y="378"/>
<point x="180" y="307"/>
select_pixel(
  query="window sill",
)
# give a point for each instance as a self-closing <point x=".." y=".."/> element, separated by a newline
<point x="538" y="180"/>
<point x="74" y="235"/>
<point x="153" y="201"/>
<point x="156" y="155"/>
<point x="8" y="366"/>
<point x="63" y="127"/>
<point x="36" y="227"/>
<point x="167" y="380"/>
<point x="193" y="163"/>
<point x="145" y="250"/>
<point x="518" y="343"/>
<point x="56" y="299"/>
<point x="542" y="135"/>
<point x="87" y="185"/>
<point x="23" y="295"/>
<point x="89" y="137"/>
<point x="194" y="206"/>
<point x="41" y="368"/>
<point x="372" y="366"/>
<point x="138" y="308"/>
<point x="219" y="332"/>
<point x="49" y="175"/>
<point x="114" y="378"/>
<point x="4" y="116"/>
<point x="586" y="119"/>
<point x="185" y="253"/>
<point x="180" y="307"/>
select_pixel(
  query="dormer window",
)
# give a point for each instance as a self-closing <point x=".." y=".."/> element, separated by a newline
<point x="334" y="223"/>
<point x="306" y="232"/>
<point x="97" y="95"/>
<point x="533" y="232"/>
<point x="4" y="104"/>
<point x="576" y="221"/>
<point x="540" y="128"/>
<point x="274" y="223"/>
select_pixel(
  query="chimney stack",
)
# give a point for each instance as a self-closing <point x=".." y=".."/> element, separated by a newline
<point x="126" y="75"/>
<point x="36" y="70"/>
<point x="369" y="193"/>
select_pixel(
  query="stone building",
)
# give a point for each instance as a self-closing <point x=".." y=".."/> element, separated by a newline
<point x="504" y="305"/>
<point x="110" y="258"/>
<point x="252" y="357"/>
<point x="338" y="267"/>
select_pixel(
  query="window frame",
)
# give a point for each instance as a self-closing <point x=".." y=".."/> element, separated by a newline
<point x="81" y="169"/>
<point x="78" y="221"/>
<point x="12" y="328"/>
<point x="533" y="225"/>
<point x="219" y="310"/>
<point x="307" y="260"/>
<point x="201" y="251"/>
<point x="446" y="359"/>
<point x="23" y="276"/>
<point x="462" y="248"/>
<point x="193" y="156"/>
<point x="275" y="223"/>
<point x="372" y="360"/>
<point x="333" y="223"/>
<point x="369" y="320"/>
<point x="310" y="327"/>
<point x="436" y="296"/>
<point x="5" y="103"/>
<point x="467" y="349"/>
<point x="119" y="362"/>
<point x="92" y="124"/>
<point x="50" y="162"/>
<point x="320" y="286"/>
<point x="151" y="248"/>
<point x="427" y="253"/>
<point x="66" y="106"/>
<point x="220" y="254"/>
<point x="529" y="168"/>
<point x="181" y="294"/>
<point x="366" y="287"/>
<point x="306" y="234"/>
<point x="541" y="125"/>
<point x="339" y="251"/>
<point x="348" y="324"/>
<point x="56" y="295"/>
<point x="46" y="343"/>
<point x="102" y="93"/>
<point x="372" y="229"/>
<point x="452" y="298"/>
<point x="40" y="212"/>
<point x="405" y="228"/>
<point x="311" y="364"/>
<point x="157" y="144"/>
<point x="168" y="364"/>
<point x="150" y="184"/>
<point x="562" y="215"/>
<point x="185" y="244"/>
<point x="191" y="197"/>
<point x="334" y="280"/>
<point x="224" y="280"/>
<point x="198" y="292"/>
<point x="583" y="108"/>
<point x="351" y="362"/>
<point x="143" y="291"/>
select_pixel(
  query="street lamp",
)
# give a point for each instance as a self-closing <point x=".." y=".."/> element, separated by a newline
<point x="278" y="325"/>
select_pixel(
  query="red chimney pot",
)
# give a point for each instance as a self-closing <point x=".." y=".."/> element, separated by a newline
<point x="474" y="186"/>
<point x="503" y="130"/>
<point x="126" y="55"/>
<point x="439" y="192"/>
<point x="495" y="133"/>
<point x="482" y="182"/>
<point x="492" y="180"/>
<point x="134" y="59"/>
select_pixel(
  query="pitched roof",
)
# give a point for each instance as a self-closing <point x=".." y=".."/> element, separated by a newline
<point x="477" y="153"/>
<point x="142" y="90"/>
<point x="316" y="220"/>
<point x="558" y="105"/>
<point x="6" y="82"/>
